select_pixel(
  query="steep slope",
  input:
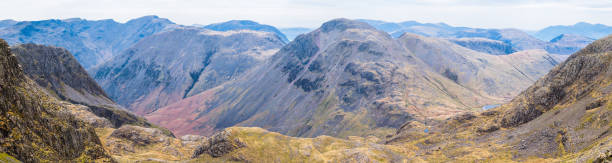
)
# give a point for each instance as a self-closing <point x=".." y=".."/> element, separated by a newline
<point x="292" y="33"/>
<point x="58" y="71"/>
<point x="347" y="78"/>
<point x="62" y="77"/>
<point x="91" y="42"/>
<point x="568" y="43"/>
<point x="564" y="116"/>
<point x="235" y="25"/>
<point x="36" y="127"/>
<point x="584" y="29"/>
<point x="486" y="75"/>
<point x="176" y="64"/>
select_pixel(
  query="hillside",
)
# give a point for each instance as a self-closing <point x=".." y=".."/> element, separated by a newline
<point x="563" y="116"/>
<point x="169" y="66"/>
<point x="349" y="79"/>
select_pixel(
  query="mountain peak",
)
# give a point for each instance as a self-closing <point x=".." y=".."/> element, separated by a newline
<point x="150" y="18"/>
<point x="343" y="24"/>
<point x="245" y="24"/>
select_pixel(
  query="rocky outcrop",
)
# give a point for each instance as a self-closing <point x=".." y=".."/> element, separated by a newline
<point x="60" y="73"/>
<point x="35" y="127"/>
<point x="219" y="144"/>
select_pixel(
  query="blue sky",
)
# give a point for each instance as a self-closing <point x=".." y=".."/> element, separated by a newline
<point x="523" y="14"/>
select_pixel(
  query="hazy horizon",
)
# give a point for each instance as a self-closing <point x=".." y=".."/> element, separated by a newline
<point x="521" y="14"/>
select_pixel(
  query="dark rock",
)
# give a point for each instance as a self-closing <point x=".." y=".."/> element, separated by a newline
<point x="219" y="144"/>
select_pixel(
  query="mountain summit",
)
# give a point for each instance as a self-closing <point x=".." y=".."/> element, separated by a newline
<point x="245" y="25"/>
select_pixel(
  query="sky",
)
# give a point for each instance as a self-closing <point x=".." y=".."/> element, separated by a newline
<point x="522" y="14"/>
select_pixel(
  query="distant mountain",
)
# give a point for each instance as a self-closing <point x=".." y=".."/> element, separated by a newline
<point x="485" y="45"/>
<point x="292" y="33"/>
<point x="564" y="116"/>
<point x="583" y="29"/>
<point x="568" y="43"/>
<point x="233" y="25"/>
<point x="512" y="40"/>
<point x="347" y="78"/>
<point x="169" y="66"/>
<point x="91" y="42"/>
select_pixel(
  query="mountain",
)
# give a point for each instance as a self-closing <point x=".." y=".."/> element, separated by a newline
<point x="36" y="127"/>
<point x="583" y="29"/>
<point x="347" y="78"/>
<point x="424" y="29"/>
<point x="60" y="73"/>
<point x="564" y="116"/>
<point x="292" y="33"/>
<point x="485" y="45"/>
<point x="169" y="66"/>
<point x="91" y="42"/>
<point x="234" y="25"/>
<point x="119" y="133"/>
<point x="512" y="40"/>
<point x="568" y="43"/>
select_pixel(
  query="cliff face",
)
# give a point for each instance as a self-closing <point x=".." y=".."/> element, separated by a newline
<point x="34" y="126"/>
<point x="59" y="72"/>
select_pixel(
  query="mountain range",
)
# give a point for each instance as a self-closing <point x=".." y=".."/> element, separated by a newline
<point x="487" y="40"/>
<point x="595" y="31"/>
<point x="91" y="42"/>
<point x="348" y="91"/>
<point x="348" y="78"/>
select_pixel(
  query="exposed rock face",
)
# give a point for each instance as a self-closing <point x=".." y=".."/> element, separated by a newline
<point x="58" y="71"/>
<point x="347" y="78"/>
<point x="236" y="25"/>
<point x="173" y="65"/>
<point x="91" y="42"/>
<point x="219" y="144"/>
<point x="35" y="127"/>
